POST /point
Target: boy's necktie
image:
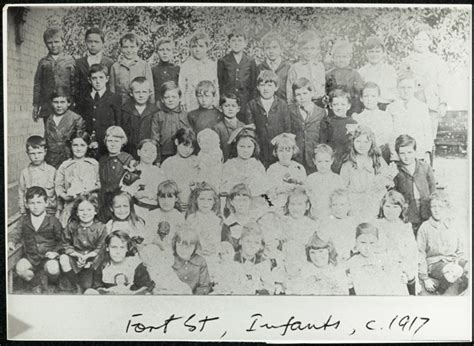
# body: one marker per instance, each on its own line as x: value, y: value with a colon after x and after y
x: 96, y: 97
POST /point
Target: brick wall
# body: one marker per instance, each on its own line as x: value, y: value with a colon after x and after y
x: 22, y: 60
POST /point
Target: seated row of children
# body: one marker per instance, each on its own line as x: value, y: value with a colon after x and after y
x: 263, y: 253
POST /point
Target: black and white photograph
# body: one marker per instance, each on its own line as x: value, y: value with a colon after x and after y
x: 185, y: 152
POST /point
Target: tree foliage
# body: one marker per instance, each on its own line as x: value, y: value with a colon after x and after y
x: 396, y: 26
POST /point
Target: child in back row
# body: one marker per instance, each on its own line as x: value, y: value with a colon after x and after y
x: 230, y: 106
x: 197, y: 67
x: 171, y: 117
x: 55, y: 71
x: 236, y: 71
x: 305, y: 119
x: 164, y: 70
x: 343, y: 76
x: 272, y: 49
x: 128, y: 67
x: 379, y: 72
x: 323, y: 183
x: 269, y: 114
x: 207, y: 115
x: 40, y: 235
x: 309, y: 66
x: 37, y: 173
x: 94, y: 39
x: 100, y: 108
x: 61, y: 125
x: 377, y: 120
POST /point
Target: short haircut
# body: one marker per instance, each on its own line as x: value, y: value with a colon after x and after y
x: 35, y: 191
x: 186, y: 235
x: 323, y: 148
x: 282, y: 139
x: 185, y: 136
x: 340, y: 92
x: 116, y: 131
x: 373, y: 42
x: 229, y: 96
x: 52, y: 32
x: 301, y: 83
x: 404, y: 141
x: 95, y: 68
x: 205, y: 85
x: 307, y: 37
x: 316, y: 243
x: 164, y: 40
x: 168, y: 188
x: 371, y: 85
x: 342, y: 46
x: 97, y: 31
x: 267, y: 76
x: 169, y: 85
x: 35, y: 142
x: 61, y: 93
x: 271, y: 37
x: 145, y: 141
x: 139, y: 80
x: 366, y: 228
x: 441, y: 196
x: 129, y: 37
x: 197, y: 36
x: 237, y: 32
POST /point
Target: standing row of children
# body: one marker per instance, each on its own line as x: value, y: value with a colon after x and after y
x: 255, y: 129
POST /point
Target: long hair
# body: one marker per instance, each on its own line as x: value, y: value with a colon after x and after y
x: 297, y: 191
x: 238, y: 190
x: 123, y: 236
x: 193, y: 197
x: 91, y: 198
x: 133, y: 218
x: 394, y: 197
x: 316, y: 243
x: 245, y: 133
x: 350, y: 154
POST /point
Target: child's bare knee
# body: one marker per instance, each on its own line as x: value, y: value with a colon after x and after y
x: 65, y: 263
x: 52, y: 267
x: 24, y: 269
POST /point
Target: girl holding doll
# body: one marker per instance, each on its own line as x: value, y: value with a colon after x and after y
x: 121, y: 272
x: 365, y: 174
x: 76, y: 176
x: 83, y: 239
x: 285, y: 174
x: 203, y: 217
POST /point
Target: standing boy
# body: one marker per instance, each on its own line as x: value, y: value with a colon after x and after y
x: 272, y: 47
x: 269, y: 114
x: 207, y: 115
x: 165, y: 70
x: 40, y: 234
x: 55, y: 71
x: 38, y: 173
x: 237, y: 72
x: 379, y: 72
x: 61, y: 125
x: 140, y: 116
x: 100, y: 108
x: 415, y: 181
x: 128, y: 67
x: 305, y: 119
x: 230, y: 105
x: 95, y: 55
x: 309, y: 66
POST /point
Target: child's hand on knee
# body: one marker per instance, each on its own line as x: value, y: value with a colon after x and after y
x: 430, y: 285
x: 51, y: 255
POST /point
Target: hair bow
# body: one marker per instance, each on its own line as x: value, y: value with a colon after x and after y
x: 249, y: 129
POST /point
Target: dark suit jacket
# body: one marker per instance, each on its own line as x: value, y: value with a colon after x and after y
x: 307, y: 134
x: 268, y: 125
x: 82, y: 82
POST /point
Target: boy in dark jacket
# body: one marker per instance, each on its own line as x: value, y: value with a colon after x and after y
x: 165, y: 70
x: 55, y: 71
x: 100, y: 108
x: 269, y: 114
x: 236, y: 71
x: 415, y: 181
x: 139, y: 116
x: 95, y: 55
x: 40, y: 234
